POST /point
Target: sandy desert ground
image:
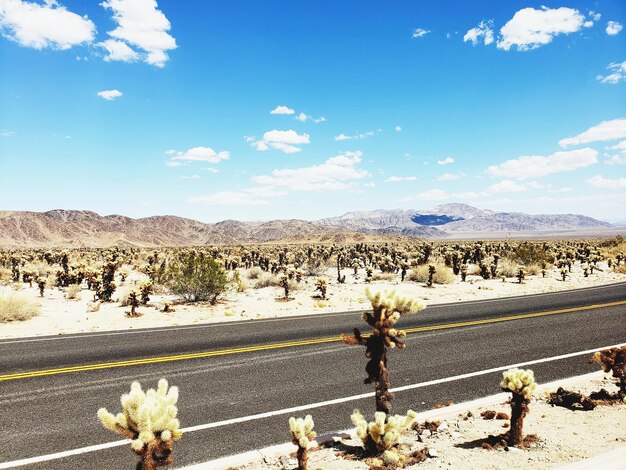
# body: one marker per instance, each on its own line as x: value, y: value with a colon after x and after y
x: 564, y: 436
x: 60, y: 316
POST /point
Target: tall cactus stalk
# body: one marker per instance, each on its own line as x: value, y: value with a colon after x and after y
x: 387, y: 309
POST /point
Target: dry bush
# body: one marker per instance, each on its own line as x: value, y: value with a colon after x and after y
x: 72, y: 292
x: 267, y: 280
x: 384, y: 277
x: 16, y: 307
x: 533, y: 269
x: 5, y: 275
x: 443, y: 274
x: 255, y: 272
x: 621, y: 269
x: 473, y: 270
x: 508, y: 268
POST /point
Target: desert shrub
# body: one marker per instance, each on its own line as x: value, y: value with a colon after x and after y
x: 240, y: 283
x: 620, y: 269
x: 533, y: 269
x: 16, y: 307
x: 530, y: 253
x: 267, y: 280
x: 473, y: 270
x: 195, y: 277
x: 442, y: 275
x: 72, y: 292
x: 383, y: 277
x: 507, y: 267
x: 255, y: 272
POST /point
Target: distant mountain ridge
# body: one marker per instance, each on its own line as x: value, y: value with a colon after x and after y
x: 79, y: 228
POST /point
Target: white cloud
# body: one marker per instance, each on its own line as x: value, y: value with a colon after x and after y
x: 618, y: 73
x: 282, y: 110
x: 483, y: 30
x: 619, y: 146
x: 397, y: 179
x: 616, y: 159
x: 613, y: 28
x: 506, y: 186
x: 285, y: 141
x: 142, y: 25
x: 6, y: 133
x: 336, y: 173
x: 109, y: 95
x: 118, y: 50
x: 606, y: 130
x: 39, y: 26
x: 530, y: 28
x: 198, y: 154
x: 189, y: 177
x: 303, y: 117
x: 565, y: 189
x: 450, y: 176
x: 446, y: 161
x: 594, y: 15
x: 211, y: 170
x: 536, y: 166
x: 601, y: 182
x: 419, y: 33
x: 173, y: 164
x: 360, y: 136
x: 228, y: 198
x: 398, y: 128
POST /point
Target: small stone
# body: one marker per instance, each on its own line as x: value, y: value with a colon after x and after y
x: 443, y: 426
x: 426, y: 433
x: 456, y: 435
x: 432, y: 453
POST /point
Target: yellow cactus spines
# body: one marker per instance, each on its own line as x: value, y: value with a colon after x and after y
x: 521, y: 383
x: 380, y: 436
x: 614, y: 360
x: 301, y: 435
x: 149, y: 420
x: 387, y: 308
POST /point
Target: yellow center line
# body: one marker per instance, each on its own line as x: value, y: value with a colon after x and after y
x: 289, y: 344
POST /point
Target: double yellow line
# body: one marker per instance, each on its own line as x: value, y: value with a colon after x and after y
x: 289, y: 344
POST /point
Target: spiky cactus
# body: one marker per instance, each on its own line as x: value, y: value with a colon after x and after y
x: 463, y: 272
x: 521, y: 274
x: 521, y: 383
x: 283, y: 282
x: 614, y: 360
x: 563, y: 274
x: 41, y: 284
x: 301, y: 435
x: 321, y: 284
x: 387, y: 308
x: 146, y: 289
x: 133, y: 301
x: 431, y: 273
x: 380, y: 437
x: 149, y: 420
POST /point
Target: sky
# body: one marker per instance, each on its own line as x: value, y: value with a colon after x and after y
x: 253, y: 110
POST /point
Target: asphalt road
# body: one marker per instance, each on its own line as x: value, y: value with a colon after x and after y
x: 52, y: 413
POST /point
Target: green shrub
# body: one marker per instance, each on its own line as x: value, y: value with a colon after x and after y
x: 196, y: 276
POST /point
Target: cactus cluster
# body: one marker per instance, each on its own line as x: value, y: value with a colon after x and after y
x: 301, y: 435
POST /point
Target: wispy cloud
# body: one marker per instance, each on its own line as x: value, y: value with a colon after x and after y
x: 336, y: 173
x: 605, y: 131
x: 196, y: 154
x: 398, y: 179
x: 446, y: 161
x: 359, y: 136
x: 285, y: 141
x: 600, y: 182
x: 537, y: 166
x: 617, y: 73
x: 109, y: 95
x: 419, y: 33
x: 282, y: 110
x: 483, y: 31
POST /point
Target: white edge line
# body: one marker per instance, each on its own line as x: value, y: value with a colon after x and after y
x: 269, y: 414
x: 271, y: 320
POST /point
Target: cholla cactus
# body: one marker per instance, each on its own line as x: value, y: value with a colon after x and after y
x: 387, y: 309
x: 283, y: 282
x: 301, y: 435
x: 321, y: 284
x: 380, y: 437
x: 521, y: 274
x: 41, y: 284
x: 431, y: 272
x: 614, y: 360
x: 133, y: 301
x: 146, y: 289
x: 522, y: 385
x: 463, y: 272
x: 149, y: 420
x: 563, y: 274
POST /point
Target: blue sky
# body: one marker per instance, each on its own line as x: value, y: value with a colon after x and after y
x: 141, y: 108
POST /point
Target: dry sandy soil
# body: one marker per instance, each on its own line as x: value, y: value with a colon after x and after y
x: 564, y: 436
x: 61, y: 316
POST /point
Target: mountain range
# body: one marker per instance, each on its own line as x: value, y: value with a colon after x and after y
x: 78, y: 228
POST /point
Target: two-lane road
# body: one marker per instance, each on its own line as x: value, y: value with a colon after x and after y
x: 238, y: 380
